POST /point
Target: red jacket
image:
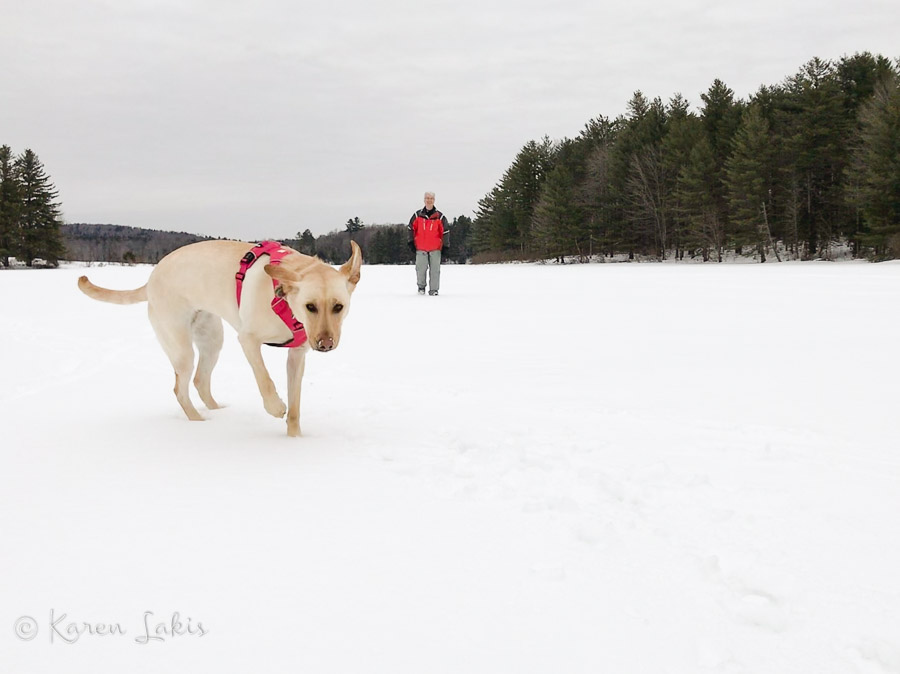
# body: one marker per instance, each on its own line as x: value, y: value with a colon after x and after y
x: 428, y: 229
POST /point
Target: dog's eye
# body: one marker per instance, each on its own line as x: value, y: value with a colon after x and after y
x: 338, y: 308
x: 311, y: 308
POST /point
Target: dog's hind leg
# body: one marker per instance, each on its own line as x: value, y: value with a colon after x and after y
x: 174, y: 334
x: 296, y: 364
x: 251, y: 346
x: 206, y: 329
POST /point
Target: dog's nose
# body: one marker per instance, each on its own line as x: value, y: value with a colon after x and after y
x: 325, y: 343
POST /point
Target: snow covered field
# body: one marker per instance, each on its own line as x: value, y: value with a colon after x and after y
x: 599, y: 468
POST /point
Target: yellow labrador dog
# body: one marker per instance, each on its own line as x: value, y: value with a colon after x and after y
x: 193, y: 288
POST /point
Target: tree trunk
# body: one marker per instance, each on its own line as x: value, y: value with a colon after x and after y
x: 769, y: 232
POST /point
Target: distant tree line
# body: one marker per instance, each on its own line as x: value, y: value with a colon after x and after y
x: 381, y: 244
x: 29, y: 210
x: 117, y: 243
x: 798, y: 166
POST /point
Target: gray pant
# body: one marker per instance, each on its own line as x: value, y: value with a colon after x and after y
x: 428, y: 260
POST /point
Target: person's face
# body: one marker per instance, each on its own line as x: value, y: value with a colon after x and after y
x: 429, y: 201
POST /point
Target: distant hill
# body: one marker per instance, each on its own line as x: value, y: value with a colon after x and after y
x: 117, y: 243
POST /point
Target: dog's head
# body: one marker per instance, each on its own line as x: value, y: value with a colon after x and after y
x: 318, y: 294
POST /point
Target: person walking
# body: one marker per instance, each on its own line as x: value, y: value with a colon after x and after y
x: 428, y: 233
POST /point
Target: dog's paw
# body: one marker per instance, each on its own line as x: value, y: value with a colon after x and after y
x: 276, y: 407
x: 293, y: 431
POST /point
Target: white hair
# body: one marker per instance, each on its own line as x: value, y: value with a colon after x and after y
x: 429, y: 194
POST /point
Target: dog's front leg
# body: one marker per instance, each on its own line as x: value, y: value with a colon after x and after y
x: 296, y: 364
x: 252, y: 350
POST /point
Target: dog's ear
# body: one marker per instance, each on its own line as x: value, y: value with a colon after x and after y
x: 279, y: 273
x: 351, y: 267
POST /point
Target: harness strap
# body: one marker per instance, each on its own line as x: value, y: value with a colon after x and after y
x: 279, y: 304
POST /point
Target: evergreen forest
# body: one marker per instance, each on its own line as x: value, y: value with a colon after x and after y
x: 798, y: 167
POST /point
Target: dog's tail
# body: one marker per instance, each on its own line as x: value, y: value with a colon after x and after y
x: 113, y: 296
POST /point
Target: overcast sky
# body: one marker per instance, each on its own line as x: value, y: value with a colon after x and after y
x: 264, y: 118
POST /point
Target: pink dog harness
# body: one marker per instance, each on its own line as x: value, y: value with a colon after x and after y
x: 279, y: 304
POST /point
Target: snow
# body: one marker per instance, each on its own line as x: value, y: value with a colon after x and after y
x: 581, y: 468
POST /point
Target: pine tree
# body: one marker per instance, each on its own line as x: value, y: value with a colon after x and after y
x: 858, y: 75
x: 460, y: 247
x: 638, y: 178
x: 482, y: 226
x: 556, y: 219
x: 816, y: 141
x: 353, y: 225
x: 503, y: 217
x: 39, y: 218
x: 876, y: 165
x: 307, y: 243
x: 773, y: 103
x: 721, y: 116
x: 521, y: 189
x: 697, y: 199
x: 748, y: 178
x: 10, y: 206
x: 597, y: 199
x: 684, y: 131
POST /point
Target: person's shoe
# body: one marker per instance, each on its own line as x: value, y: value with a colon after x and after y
x: 421, y: 291
x: 433, y: 292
